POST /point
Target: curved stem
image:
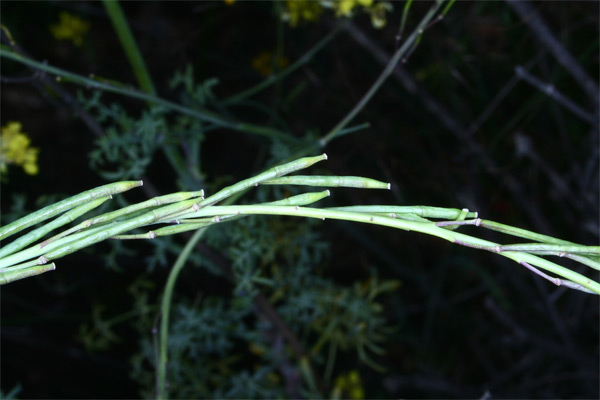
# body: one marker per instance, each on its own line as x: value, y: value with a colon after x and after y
x: 271, y: 80
x: 132, y: 51
x: 428, y: 228
x: 166, y: 309
x: 203, y: 115
x: 400, y: 53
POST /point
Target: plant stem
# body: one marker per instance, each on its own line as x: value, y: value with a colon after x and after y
x: 132, y: 51
x: 400, y: 53
x: 166, y: 309
x: 424, y: 227
x: 275, y: 78
x: 201, y: 114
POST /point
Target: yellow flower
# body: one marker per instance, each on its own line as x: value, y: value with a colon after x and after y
x: 377, y: 11
x: 14, y: 149
x: 349, y: 386
x: 310, y: 10
x: 263, y: 63
x: 298, y: 10
x: 345, y: 7
x: 229, y: 2
x: 71, y: 28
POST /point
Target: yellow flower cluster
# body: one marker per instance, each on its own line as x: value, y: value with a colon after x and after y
x: 348, y: 386
x: 378, y: 13
x: 307, y: 10
x: 345, y: 7
x: 301, y: 10
x: 71, y: 28
x: 263, y: 63
x: 14, y: 149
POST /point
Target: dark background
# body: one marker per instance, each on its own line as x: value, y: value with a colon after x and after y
x: 443, y: 132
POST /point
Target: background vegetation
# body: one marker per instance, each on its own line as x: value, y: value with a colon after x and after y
x: 487, y: 113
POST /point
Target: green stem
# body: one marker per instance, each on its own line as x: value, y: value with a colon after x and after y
x: 400, y: 53
x: 424, y: 227
x: 403, y: 20
x: 271, y: 80
x: 132, y: 51
x: 165, y: 312
x: 203, y: 115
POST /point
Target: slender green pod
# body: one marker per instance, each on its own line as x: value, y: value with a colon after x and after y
x: 421, y: 211
x: 522, y: 233
x: 154, y: 202
x: 187, y: 224
x: 184, y: 226
x: 120, y: 227
x: 329, y: 181
x: 129, y: 211
x: 582, y: 259
x: 64, y: 205
x: 25, y: 265
x: 300, y: 199
x: 43, y: 230
x: 408, y: 216
x: 551, y: 248
x: 429, y: 228
x: 72, y: 243
x: 274, y: 172
x: 43, y: 247
x: 7, y: 277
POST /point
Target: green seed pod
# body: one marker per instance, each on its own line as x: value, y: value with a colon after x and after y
x: 329, y: 181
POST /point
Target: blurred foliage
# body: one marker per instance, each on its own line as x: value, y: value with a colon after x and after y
x: 297, y: 11
x: 212, y: 337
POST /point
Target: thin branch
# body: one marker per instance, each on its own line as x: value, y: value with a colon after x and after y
x: 41, y: 76
x: 389, y: 68
x: 272, y: 79
x: 550, y: 90
x: 124, y: 90
x: 448, y: 121
x: 540, y: 29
